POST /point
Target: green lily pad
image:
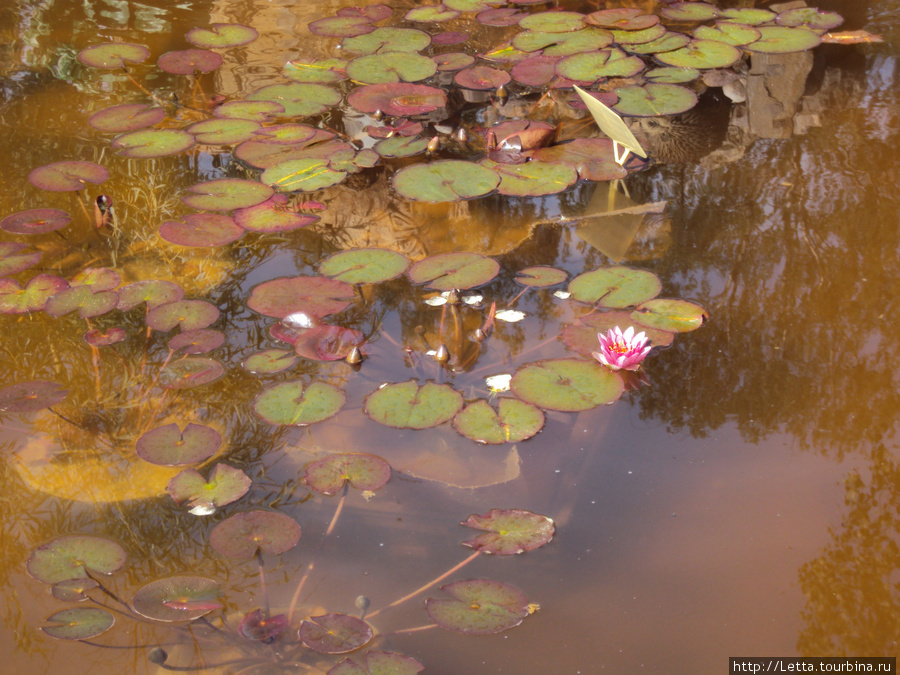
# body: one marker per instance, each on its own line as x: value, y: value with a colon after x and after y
x: 667, y: 43
x: 809, y: 17
x: 147, y: 143
x: 221, y: 35
x: 449, y: 271
x: 478, y: 607
x: 671, y: 75
x: 189, y: 61
x: 515, y: 421
x: 581, y: 335
x: 126, y: 117
x: 78, y: 623
x: 615, y: 286
x: 88, y: 302
x: 25, y: 397
x: 452, y: 61
x: 406, y: 405
x: 540, y: 276
x: 748, y: 16
x: 362, y: 471
x: 272, y: 216
x: 180, y: 598
x: 171, y: 446
x: 533, y: 179
x: 729, y: 32
x: 73, y: 590
x: 653, y: 100
x: 470, y: 5
x: 293, y: 403
x: 783, y: 40
x: 33, y: 298
x: 553, y: 22
x: 624, y: 38
x: 258, y: 111
x: 569, y: 385
x: 190, y: 372
x: 98, y: 278
x: 510, y: 531
x: 113, y: 55
x: 593, y: 158
x: 323, y: 71
x: 431, y: 14
x: 334, y: 633
x: 298, y: 99
x: 226, y: 194
x: 269, y: 361
x: 200, y: 230
x: 678, y: 316
x: 401, y: 146
x: 481, y: 78
x: 225, y: 485
x: 73, y: 556
x: 67, y: 176
x: 104, y: 338
x: 398, y: 100
x: 154, y: 292
x: 377, y: 663
x: 243, y: 534
x: 302, y: 175
x: 563, y: 44
x: 315, y: 296
x: 591, y: 66
x: 189, y: 314
x: 223, y: 131
x: 448, y: 180
x: 364, y: 265
x: 386, y: 67
x: 390, y: 39
x: 690, y: 11
x: 622, y: 18
x: 702, y: 54
x: 11, y: 260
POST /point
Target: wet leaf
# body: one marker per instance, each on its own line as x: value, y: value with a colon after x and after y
x: 78, y: 623
x: 292, y: 403
x: 221, y: 35
x: 88, y: 302
x: 678, y: 316
x: 615, y: 287
x: 306, y: 175
x: 171, y: 446
x: 223, y: 131
x: 316, y: 296
x: 73, y: 590
x: 104, y: 338
x: 225, y: 194
x: 389, y: 39
x: 24, y: 397
x: 541, y: 276
x: 179, y: 598
x: 271, y: 216
x: 478, y: 607
x: 610, y: 123
x: 626, y: 38
x: 241, y: 535
x: 292, y: 134
x: 809, y: 17
x: 154, y: 292
x: 342, y: 26
x: 269, y: 361
x: 255, y: 626
x: 653, y: 100
x: 510, y: 531
x: 449, y: 271
x: 533, y: 179
x: 481, y: 78
x: 34, y: 221
x: 323, y: 71
x: 189, y: 314
x: 553, y: 22
x: 67, y: 176
x: 12, y: 261
x: 190, y: 372
x: 334, y: 633
x: 602, y: 63
x: 399, y: 146
x: 362, y: 471
x: 622, y: 18
x: 97, y: 278
x: 126, y: 117
x: 378, y: 663
x: 581, y: 335
x: 702, y: 54
x: 153, y: 142
x: 749, y: 16
x: 515, y: 421
x: 364, y: 265
x: 406, y: 405
x: 667, y: 43
x: 671, y: 75
x: 189, y: 61
x: 201, y: 230
x: 197, y: 341
x: 569, y: 385
x: 445, y: 181
x: 111, y: 55
x: 453, y: 61
x: 258, y: 111
x: 299, y: 99
x: 728, y: 32
x: 398, y: 100
x: 563, y: 44
x: 226, y: 484
x: 505, y: 16
x: 327, y: 343
x: 783, y: 40
x: 431, y: 14
x: 391, y: 67
x: 593, y: 158
x: 73, y: 556
x: 690, y: 11
x: 33, y: 298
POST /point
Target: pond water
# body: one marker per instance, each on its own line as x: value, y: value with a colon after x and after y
x: 740, y: 498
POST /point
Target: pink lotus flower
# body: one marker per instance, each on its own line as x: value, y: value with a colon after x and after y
x: 622, y: 351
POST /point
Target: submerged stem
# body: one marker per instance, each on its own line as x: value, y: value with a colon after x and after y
x: 262, y: 584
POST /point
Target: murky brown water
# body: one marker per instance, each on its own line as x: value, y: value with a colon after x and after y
x: 744, y: 504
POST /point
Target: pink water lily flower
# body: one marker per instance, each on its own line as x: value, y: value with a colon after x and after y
x: 622, y: 351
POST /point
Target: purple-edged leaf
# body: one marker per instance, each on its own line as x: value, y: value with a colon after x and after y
x: 341, y: 26
x: 201, y: 230
x: 25, y: 397
x: 553, y: 22
x: 88, y: 302
x: 225, y: 485
x: 33, y: 298
x: 622, y: 18
x: 478, y: 607
x: 533, y: 179
x: 690, y: 11
x: 73, y: 590
x: 373, y: 13
x: 221, y: 35
x: 506, y: 16
x: 387, y: 39
x: 73, y: 556
x: 170, y: 446
x: 97, y: 278
x: 514, y: 421
x: 406, y: 405
x: 34, y: 221
x: 78, y: 623
x: 154, y: 292
x: 431, y: 14
x: 569, y: 385
x: 189, y: 61
x: 291, y: 134
x: 563, y: 44
x: 581, y: 335
x: 809, y: 17
x: 362, y: 471
x: 397, y: 100
x: 509, y: 532
x: 292, y: 403
x: 199, y: 341
x: 12, y: 261
x: 272, y: 215
x: 364, y: 265
x: 243, y: 534
x: 255, y: 626
x: 399, y: 146
x: 67, y: 176
x: 147, y: 143
x: 126, y: 117
x: 223, y: 131
x: 447, y: 180
x: 258, y: 111
x: 535, y: 71
x: 327, y: 343
x: 377, y: 663
x: 315, y: 296
x: 323, y: 71
x: 334, y: 633
x: 181, y: 598
x: 449, y: 271
x: 678, y: 316
x: 615, y: 287
x: 189, y: 314
x: 111, y: 55
x: 299, y: 99
x: 269, y: 361
x: 190, y: 372
x: 541, y: 276
x: 104, y: 338
x: 226, y: 194
x: 391, y: 67
x: 593, y: 158
x: 306, y: 175
x: 481, y: 78
x: 453, y: 61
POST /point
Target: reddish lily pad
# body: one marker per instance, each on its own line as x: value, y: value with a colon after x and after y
x: 481, y: 78
x: 73, y: 556
x: 113, y: 55
x: 104, y: 338
x: 364, y: 265
x: 190, y: 372
x: 690, y: 11
x: 593, y: 158
x: 448, y: 271
x: 563, y: 44
x: 453, y: 61
x: 201, y: 230
x: 171, y: 446
x: 88, y: 302
x: 702, y: 54
x: 225, y: 194
x: 189, y: 61
x: 199, y: 341
x: 323, y: 71
x: 334, y: 633
x: 341, y: 26
x: 272, y: 216
x: 302, y: 175
x: 678, y: 316
x: 180, y: 598
x: 126, y: 117
x: 269, y: 361
x: 515, y: 421
x: 12, y: 261
x: 581, y: 335
x: 653, y: 100
x: 602, y: 63
x: 25, y: 397
x: 189, y: 314
x: 373, y: 13
x: 378, y: 663
x: 541, y: 276
x: 448, y: 180
x: 362, y: 471
x: 315, y: 296
x: 391, y: 67
x: 225, y: 485
x: 622, y: 18
x: 223, y: 131
x: 569, y: 385
x: 783, y: 40
x: 478, y: 607
x: 258, y: 625
x: 98, y: 278
x: 431, y: 14
x: 73, y: 590
x: 33, y: 298
x: 78, y: 623
x: 67, y: 176
x: 327, y: 343
x: 811, y: 18
x: 398, y: 100
x: 533, y: 179
x: 258, y: 111
x: 293, y: 403
x: 504, y: 16
x: 147, y: 143
x: 299, y: 99
x: 615, y: 286
x: 243, y: 534
x: 388, y: 39
x: 221, y: 35
x: 154, y: 292
x: 510, y: 531
x: 406, y: 405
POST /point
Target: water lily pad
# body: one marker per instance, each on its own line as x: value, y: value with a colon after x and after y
x: 341, y: 26
x: 581, y: 335
x: 104, y: 338
x: 378, y: 663
x: 431, y: 14
x: 448, y: 271
x: 189, y: 61
x: 533, y: 179
x: 334, y: 633
x: 243, y: 534
x: 504, y: 16
x: 373, y: 13
x: 593, y: 158
x: 126, y: 117
x: 701, y: 54
x: 510, y: 531
x: 67, y: 176
x: 397, y: 100
x: 809, y: 17
x: 391, y: 67
x: 73, y: 556
x: 327, y: 343
x: 189, y: 314
x: 73, y: 590
x: 541, y: 276
x: 729, y: 32
x: 258, y: 625
x: 667, y: 43
x: 470, y: 5
x: 479, y: 607
x: 180, y: 598
x: 258, y: 111
x: 364, y: 265
x: 400, y: 146
x: 12, y: 261
x: 223, y: 131
x: 678, y: 316
x: 653, y: 100
x: 225, y: 485
x: 171, y: 446
x: 221, y: 35
x: 748, y: 16
x: 563, y: 44
x: 113, y: 55
x: 515, y: 421
x: 591, y: 66
x: 570, y: 385
x: 362, y: 471
x: 225, y: 194
x: 78, y: 623
x: 323, y: 71
x: 453, y: 61
x: 783, y: 40
x: 622, y: 18
x: 671, y: 75
x: 190, y: 372
x: 535, y: 71
x: 390, y: 39
x: 624, y: 38
x: 154, y: 292
x: 98, y: 278
x: 615, y: 286
x: 553, y: 22
x: 153, y: 142
x: 306, y: 175
x: 690, y: 11
x: 201, y: 230
x: 293, y: 403
x: 406, y: 405
x: 82, y: 298
x: 449, y: 38
x: 448, y: 180
x: 481, y: 78
x: 315, y: 296
x: 272, y: 216
x: 32, y: 396
x: 269, y: 361
x: 33, y: 298
x: 298, y: 99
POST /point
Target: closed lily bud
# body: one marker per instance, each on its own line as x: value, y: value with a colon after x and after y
x: 354, y: 357
x: 501, y: 93
x: 478, y: 335
x: 433, y: 145
x: 442, y: 355
x: 461, y: 135
x: 378, y: 115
